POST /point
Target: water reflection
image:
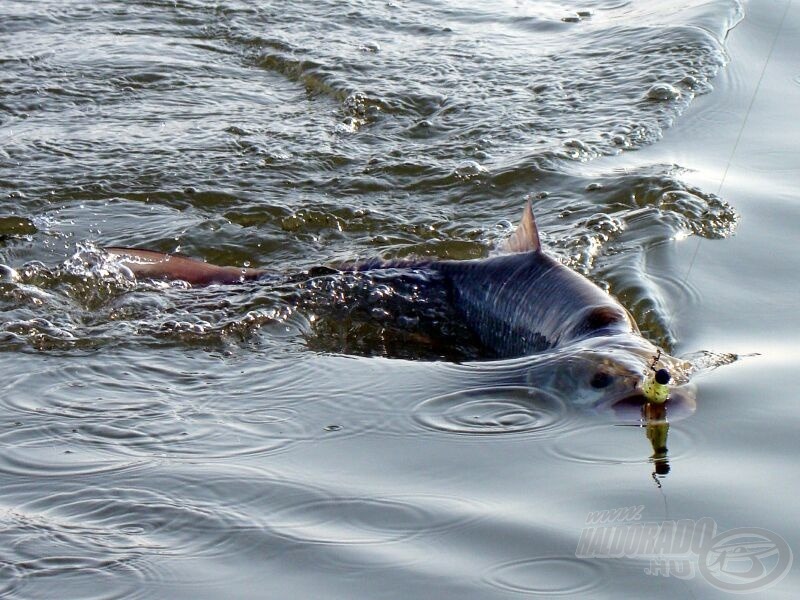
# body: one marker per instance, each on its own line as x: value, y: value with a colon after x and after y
x: 657, y: 428
x: 137, y: 419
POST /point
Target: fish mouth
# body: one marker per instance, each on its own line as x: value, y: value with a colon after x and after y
x: 636, y: 407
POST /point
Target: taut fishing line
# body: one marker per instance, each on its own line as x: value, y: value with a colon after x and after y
x: 738, y: 139
x: 724, y: 177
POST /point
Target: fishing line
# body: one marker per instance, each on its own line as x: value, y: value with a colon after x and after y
x: 722, y: 183
x: 738, y: 139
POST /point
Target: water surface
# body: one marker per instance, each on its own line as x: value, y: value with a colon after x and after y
x: 288, y: 440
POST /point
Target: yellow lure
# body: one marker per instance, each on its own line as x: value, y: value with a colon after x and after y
x: 656, y: 389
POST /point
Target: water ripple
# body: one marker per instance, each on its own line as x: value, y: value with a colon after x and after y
x: 548, y: 576
x: 342, y: 520
x: 48, y: 457
x: 611, y: 444
x: 40, y: 547
x: 150, y: 521
x: 494, y: 411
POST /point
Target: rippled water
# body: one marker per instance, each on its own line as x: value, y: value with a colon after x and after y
x: 316, y: 434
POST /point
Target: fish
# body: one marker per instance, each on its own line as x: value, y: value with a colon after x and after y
x: 550, y: 326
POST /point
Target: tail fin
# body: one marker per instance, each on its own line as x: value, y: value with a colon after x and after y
x: 526, y: 237
x: 156, y: 265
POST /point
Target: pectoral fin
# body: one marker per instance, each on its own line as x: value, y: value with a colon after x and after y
x: 147, y: 264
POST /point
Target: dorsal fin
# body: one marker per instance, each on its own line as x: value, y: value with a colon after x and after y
x: 526, y: 237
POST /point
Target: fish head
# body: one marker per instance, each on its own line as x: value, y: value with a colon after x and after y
x: 611, y: 374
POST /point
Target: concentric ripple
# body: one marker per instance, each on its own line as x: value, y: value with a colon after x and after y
x: 40, y: 549
x: 208, y: 435
x: 368, y: 521
x: 612, y: 444
x: 494, y: 411
x: 84, y: 447
x: 43, y: 452
x: 147, y: 522
x: 547, y: 576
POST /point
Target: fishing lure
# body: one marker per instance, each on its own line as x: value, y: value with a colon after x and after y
x: 656, y: 386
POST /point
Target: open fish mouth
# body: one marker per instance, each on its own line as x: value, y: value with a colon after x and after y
x: 635, y: 408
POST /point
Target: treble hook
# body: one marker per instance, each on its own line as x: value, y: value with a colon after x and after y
x: 656, y: 358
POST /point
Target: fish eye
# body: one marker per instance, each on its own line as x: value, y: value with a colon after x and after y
x: 601, y: 379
